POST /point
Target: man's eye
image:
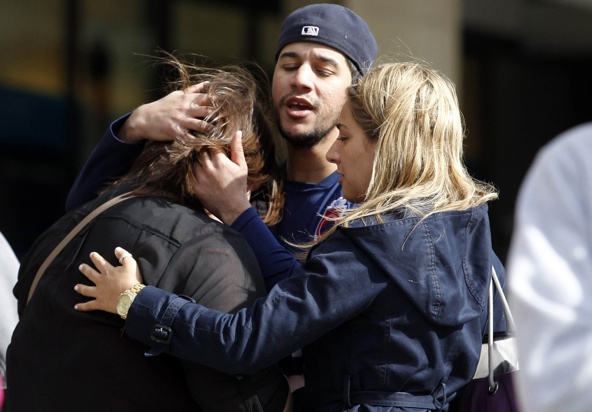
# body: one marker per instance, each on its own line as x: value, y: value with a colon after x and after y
x: 324, y: 73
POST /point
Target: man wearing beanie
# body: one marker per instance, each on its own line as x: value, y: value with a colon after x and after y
x: 321, y: 50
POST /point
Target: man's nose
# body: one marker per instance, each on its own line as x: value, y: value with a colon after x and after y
x: 303, y: 77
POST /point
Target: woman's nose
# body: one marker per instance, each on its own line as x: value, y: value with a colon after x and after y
x: 332, y: 154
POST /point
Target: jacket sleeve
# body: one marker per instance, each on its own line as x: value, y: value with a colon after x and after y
x: 275, y: 261
x: 110, y: 159
x: 296, y: 312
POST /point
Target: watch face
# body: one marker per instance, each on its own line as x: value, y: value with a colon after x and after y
x: 123, y: 304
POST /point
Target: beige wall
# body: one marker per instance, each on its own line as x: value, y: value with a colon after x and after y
x: 427, y: 30
x: 33, y: 34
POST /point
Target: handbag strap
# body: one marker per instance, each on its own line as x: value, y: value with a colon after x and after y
x: 509, y: 320
x: 70, y: 236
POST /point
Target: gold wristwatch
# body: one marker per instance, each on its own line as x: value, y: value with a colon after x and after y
x: 126, y: 298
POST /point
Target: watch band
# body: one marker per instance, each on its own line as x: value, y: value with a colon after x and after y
x: 136, y: 289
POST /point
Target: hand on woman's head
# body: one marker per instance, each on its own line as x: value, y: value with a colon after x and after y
x: 172, y: 117
x: 221, y: 183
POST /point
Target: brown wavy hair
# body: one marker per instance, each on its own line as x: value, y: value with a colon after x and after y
x: 239, y: 101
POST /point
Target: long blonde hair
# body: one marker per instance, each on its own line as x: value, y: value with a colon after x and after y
x: 412, y: 113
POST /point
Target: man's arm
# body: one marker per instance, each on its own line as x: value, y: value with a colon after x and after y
x: 171, y: 117
x: 221, y: 186
x: 110, y: 159
x: 275, y: 261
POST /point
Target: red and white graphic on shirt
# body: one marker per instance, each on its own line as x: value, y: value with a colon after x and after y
x: 334, y: 210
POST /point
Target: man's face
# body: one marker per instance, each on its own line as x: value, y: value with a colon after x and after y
x: 309, y: 84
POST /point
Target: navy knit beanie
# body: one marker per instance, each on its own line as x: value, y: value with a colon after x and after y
x: 334, y: 26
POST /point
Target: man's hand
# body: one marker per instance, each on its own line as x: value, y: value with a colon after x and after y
x: 169, y: 118
x: 221, y: 183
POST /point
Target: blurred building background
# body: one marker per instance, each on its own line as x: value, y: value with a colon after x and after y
x: 69, y: 67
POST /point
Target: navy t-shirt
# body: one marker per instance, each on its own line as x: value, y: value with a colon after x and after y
x: 306, y: 205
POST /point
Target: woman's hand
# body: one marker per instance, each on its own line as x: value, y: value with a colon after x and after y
x: 110, y: 281
x: 172, y: 117
x: 221, y: 183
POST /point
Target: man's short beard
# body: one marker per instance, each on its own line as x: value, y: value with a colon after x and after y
x: 305, y: 141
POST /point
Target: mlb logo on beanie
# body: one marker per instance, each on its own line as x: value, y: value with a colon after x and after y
x: 310, y: 31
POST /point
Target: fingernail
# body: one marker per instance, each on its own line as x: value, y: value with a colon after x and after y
x: 81, y: 266
x: 76, y: 288
x: 75, y: 307
x: 118, y: 249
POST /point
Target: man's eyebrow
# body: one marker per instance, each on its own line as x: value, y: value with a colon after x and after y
x: 288, y: 55
x: 326, y: 59
x: 320, y: 57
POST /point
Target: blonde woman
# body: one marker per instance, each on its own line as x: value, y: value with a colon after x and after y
x: 389, y: 305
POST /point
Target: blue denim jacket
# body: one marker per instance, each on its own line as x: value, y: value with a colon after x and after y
x: 389, y: 315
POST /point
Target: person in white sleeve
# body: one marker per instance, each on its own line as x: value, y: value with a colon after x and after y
x: 550, y: 276
x: 9, y: 266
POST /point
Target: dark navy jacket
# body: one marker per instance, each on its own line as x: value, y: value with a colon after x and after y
x: 389, y: 315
